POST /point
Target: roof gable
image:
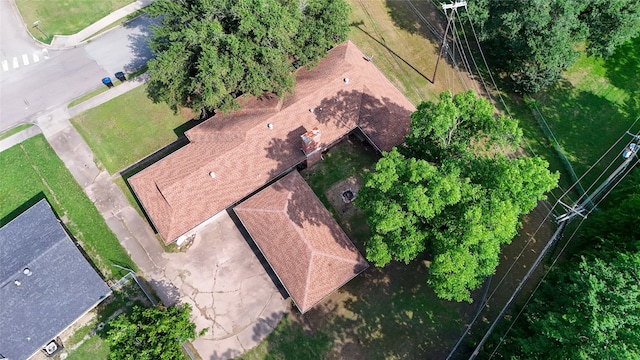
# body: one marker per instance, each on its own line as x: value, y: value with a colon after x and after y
x: 304, y: 245
x: 60, y: 288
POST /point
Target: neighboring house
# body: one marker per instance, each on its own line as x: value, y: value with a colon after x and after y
x: 231, y: 156
x: 46, y: 284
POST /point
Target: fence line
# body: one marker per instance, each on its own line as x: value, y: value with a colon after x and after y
x: 131, y: 275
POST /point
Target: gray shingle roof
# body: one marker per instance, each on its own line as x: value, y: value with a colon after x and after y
x: 61, y: 288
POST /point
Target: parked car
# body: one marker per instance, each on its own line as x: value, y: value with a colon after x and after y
x: 629, y: 150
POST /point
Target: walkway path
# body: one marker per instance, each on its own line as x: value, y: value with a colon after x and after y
x: 240, y: 307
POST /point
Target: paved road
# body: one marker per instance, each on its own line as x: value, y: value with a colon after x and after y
x: 67, y: 74
x: 15, y: 43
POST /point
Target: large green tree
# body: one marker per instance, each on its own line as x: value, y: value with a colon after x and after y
x: 587, y: 310
x: 207, y: 52
x: 534, y: 41
x: 450, y: 190
x: 589, y: 305
x: 154, y: 333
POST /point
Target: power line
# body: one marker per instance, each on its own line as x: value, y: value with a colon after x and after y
x: 536, y: 288
x: 475, y: 64
x: 575, y: 210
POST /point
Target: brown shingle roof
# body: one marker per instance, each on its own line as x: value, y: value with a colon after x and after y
x: 304, y: 245
x: 178, y: 192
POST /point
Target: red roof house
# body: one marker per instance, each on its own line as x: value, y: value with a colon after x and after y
x: 304, y: 245
x: 233, y: 155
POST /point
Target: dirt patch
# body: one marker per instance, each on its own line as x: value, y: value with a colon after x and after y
x: 344, y: 209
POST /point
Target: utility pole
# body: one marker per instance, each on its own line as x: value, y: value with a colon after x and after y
x: 582, y: 209
x: 445, y: 7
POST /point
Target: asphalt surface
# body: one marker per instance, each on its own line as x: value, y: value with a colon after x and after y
x: 14, y: 39
x: 29, y: 91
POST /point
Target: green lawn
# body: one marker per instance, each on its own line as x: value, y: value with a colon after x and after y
x: 64, y: 17
x: 31, y: 171
x: 394, y: 37
x: 14, y: 130
x: 128, y: 128
x: 348, y: 158
x: 94, y: 348
x: 593, y: 105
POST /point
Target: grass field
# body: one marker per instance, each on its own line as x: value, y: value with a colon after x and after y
x: 394, y: 37
x: 593, y: 106
x: 128, y: 128
x: 57, y: 17
x: 31, y: 171
x: 14, y: 130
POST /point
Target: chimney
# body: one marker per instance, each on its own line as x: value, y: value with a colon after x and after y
x: 311, y: 146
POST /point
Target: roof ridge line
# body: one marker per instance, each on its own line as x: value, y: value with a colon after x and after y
x: 42, y: 254
x: 322, y: 253
x: 308, y: 280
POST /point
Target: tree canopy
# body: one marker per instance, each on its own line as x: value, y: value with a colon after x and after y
x: 534, y: 41
x: 207, y: 52
x: 450, y: 192
x: 150, y: 333
x: 589, y: 306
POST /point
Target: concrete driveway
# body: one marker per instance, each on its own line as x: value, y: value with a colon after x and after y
x: 229, y: 289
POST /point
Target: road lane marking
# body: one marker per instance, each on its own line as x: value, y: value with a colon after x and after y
x: 15, y: 63
x: 35, y: 58
x: 25, y: 59
x: 5, y: 65
x: 45, y: 54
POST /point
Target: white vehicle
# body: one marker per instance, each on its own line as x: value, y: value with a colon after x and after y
x: 629, y: 150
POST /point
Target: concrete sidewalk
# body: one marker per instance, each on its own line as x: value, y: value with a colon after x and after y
x: 17, y: 138
x: 70, y: 41
x: 229, y: 289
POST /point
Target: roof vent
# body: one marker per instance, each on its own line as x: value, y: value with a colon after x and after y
x: 270, y: 125
x: 212, y: 174
x: 346, y: 80
x: 27, y: 272
x: 17, y: 282
x: 311, y: 111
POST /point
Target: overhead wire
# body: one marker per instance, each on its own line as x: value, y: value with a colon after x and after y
x: 597, y: 161
x: 463, y: 56
x: 473, y: 59
x: 536, y: 288
x: 626, y: 172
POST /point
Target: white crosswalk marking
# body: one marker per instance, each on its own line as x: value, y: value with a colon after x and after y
x: 25, y: 59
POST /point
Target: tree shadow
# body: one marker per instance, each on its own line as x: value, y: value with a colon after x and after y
x: 388, y: 313
x: 265, y: 326
x: 585, y: 125
x: 421, y: 18
x: 623, y: 71
x: 358, y: 26
x: 168, y: 293
x: 139, y: 41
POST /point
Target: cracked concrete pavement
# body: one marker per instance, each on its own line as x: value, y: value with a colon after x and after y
x: 219, y: 275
